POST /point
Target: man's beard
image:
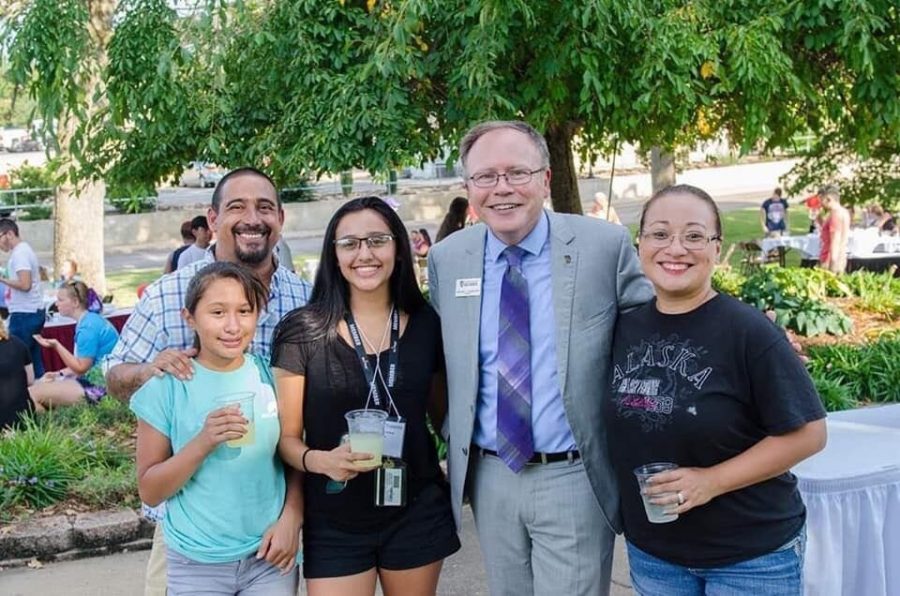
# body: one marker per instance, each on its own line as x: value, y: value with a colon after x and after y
x: 252, y: 257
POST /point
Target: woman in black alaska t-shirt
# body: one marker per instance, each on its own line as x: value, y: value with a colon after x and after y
x: 16, y: 374
x: 708, y: 383
x: 365, y: 270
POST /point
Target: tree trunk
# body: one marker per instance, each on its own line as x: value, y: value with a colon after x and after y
x: 564, y: 182
x: 78, y: 224
x: 662, y: 168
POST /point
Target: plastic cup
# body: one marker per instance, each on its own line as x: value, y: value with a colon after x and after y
x: 656, y: 514
x: 243, y: 400
x: 366, y: 430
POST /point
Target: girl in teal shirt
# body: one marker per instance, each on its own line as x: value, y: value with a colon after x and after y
x: 229, y: 526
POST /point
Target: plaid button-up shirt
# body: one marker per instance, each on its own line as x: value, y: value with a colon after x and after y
x: 156, y: 323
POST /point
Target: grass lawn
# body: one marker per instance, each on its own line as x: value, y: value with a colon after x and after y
x: 742, y: 225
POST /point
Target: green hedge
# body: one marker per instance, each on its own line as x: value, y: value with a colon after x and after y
x: 848, y: 375
x: 81, y: 452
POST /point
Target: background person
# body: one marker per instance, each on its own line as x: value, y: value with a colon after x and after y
x: 226, y: 528
x: 365, y: 276
x: 68, y: 272
x: 455, y: 219
x: 202, y: 237
x: 16, y: 374
x: 774, y: 216
x: 835, y: 232
x: 25, y: 300
x: 813, y: 205
x: 883, y: 220
x: 95, y: 337
x: 709, y: 383
x: 187, y: 238
x: 421, y: 242
x: 601, y: 209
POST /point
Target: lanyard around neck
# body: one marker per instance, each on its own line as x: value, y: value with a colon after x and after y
x: 371, y: 373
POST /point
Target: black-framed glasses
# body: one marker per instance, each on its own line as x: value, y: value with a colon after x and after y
x: 353, y: 243
x: 516, y: 177
x: 689, y: 240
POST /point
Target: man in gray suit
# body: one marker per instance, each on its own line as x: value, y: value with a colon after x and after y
x: 528, y: 303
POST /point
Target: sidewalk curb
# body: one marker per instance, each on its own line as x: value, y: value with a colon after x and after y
x: 68, y: 537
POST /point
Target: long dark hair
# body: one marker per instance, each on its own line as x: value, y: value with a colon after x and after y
x: 455, y: 219
x: 330, y: 300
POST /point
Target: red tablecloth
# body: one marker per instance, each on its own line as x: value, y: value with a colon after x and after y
x: 65, y: 333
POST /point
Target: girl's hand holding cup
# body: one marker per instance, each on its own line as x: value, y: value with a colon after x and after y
x: 221, y: 425
x: 339, y: 464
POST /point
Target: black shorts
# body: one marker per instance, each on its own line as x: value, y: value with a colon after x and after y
x: 422, y: 534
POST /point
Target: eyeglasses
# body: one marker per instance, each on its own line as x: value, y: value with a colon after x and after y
x: 513, y: 178
x: 689, y: 240
x: 353, y: 243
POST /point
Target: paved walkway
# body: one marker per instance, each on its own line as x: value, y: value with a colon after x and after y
x: 123, y: 574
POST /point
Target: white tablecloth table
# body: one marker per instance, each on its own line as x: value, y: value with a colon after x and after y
x: 808, y: 244
x: 862, y: 244
x: 852, y: 494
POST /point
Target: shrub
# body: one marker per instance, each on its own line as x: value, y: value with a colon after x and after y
x: 81, y: 451
x: 869, y: 373
x: 728, y: 281
x: 835, y: 397
x: 878, y: 293
x: 439, y: 443
x: 796, y: 296
x: 39, y: 461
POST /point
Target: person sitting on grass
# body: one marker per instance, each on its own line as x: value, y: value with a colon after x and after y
x: 16, y: 374
x: 208, y: 445
x: 81, y: 379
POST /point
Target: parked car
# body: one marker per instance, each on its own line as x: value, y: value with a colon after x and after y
x: 201, y: 174
x: 25, y: 145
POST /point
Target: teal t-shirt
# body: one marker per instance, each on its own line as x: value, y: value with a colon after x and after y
x: 221, y: 513
x: 95, y: 337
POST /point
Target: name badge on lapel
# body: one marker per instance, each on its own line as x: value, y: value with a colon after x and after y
x: 468, y: 287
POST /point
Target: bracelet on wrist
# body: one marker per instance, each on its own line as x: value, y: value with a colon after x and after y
x: 303, y: 459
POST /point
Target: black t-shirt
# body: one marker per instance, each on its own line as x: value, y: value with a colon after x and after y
x: 697, y: 389
x: 775, y: 208
x: 14, y: 400
x: 335, y: 384
x: 177, y: 253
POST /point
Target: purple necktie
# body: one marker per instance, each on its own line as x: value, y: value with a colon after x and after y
x: 515, y: 444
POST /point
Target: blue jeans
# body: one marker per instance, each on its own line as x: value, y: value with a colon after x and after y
x: 777, y: 573
x: 23, y: 325
x: 247, y: 577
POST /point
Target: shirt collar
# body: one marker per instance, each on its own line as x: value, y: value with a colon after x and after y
x: 533, y: 243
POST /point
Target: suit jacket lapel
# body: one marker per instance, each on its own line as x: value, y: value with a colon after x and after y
x: 564, y: 257
x: 472, y: 268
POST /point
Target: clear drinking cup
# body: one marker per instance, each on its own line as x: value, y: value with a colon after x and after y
x: 243, y: 400
x: 657, y: 514
x: 366, y: 430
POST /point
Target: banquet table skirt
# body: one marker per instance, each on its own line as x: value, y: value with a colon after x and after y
x: 853, y: 542
x: 65, y: 334
x: 852, y: 495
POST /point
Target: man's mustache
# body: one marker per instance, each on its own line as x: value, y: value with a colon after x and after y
x: 261, y: 229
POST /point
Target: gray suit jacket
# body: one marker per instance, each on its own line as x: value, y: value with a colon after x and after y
x: 596, y: 274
